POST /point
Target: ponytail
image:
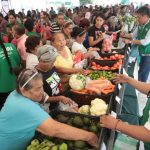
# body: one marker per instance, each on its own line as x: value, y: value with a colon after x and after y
x: 6, y: 54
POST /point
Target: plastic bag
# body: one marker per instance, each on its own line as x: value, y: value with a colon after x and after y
x: 77, y: 57
x: 107, y: 44
x: 67, y: 107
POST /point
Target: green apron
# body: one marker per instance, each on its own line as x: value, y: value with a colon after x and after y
x: 144, y: 119
x: 130, y: 102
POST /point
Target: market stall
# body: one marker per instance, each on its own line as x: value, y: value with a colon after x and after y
x: 102, y: 72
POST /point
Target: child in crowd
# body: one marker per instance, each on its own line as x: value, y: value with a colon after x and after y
x: 79, y: 35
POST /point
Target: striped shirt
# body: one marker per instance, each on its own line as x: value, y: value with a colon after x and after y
x: 55, y: 27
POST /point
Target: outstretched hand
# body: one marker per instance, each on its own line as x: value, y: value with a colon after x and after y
x: 121, y: 78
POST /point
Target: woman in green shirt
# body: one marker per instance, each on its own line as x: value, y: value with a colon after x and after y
x: 9, y: 59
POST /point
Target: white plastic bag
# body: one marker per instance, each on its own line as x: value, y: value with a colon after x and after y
x: 67, y: 107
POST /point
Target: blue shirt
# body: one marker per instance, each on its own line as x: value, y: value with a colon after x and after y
x: 19, y: 119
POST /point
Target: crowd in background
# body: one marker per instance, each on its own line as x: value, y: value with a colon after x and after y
x: 82, y: 28
x: 56, y: 46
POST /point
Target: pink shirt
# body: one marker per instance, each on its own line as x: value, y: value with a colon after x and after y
x: 21, y: 46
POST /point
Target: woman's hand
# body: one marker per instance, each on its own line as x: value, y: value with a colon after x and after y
x: 121, y: 78
x: 108, y: 121
x: 126, y: 41
x: 101, y: 37
x: 86, y: 72
x: 65, y: 100
x: 93, y: 139
x: 122, y: 34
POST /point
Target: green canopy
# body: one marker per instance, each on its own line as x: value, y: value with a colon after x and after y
x: 124, y: 2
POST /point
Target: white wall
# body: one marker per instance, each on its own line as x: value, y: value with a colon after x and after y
x: 40, y: 4
x: 28, y: 4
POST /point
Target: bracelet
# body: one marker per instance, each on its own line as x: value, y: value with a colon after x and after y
x: 117, y: 124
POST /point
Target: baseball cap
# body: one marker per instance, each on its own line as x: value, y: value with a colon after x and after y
x: 47, y: 53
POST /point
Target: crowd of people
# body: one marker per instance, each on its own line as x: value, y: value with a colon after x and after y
x: 40, y: 50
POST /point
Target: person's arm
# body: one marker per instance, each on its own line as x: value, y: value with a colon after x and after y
x: 62, y: 99
x: 110, y: 122
x: 53, y: 128
x: 130, y: 35
x: 126, y: 35
x: 92, y: 42
x: 64, y: 80
x: 68, y: 70
x: 143, y: 134
x: 140, y: 86
x: 144, y: 41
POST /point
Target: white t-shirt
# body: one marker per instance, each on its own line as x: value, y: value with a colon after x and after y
x: 78, y: 46
x: 75, y: 47
x: 31, y: 61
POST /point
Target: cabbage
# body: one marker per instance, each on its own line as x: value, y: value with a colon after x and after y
x: 98, y: 107
x: 77, y: 81
x: 97, y: 101
x: 97, y: 110
x: 85, y: 109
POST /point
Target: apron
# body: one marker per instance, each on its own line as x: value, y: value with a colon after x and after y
x: 144, y: 119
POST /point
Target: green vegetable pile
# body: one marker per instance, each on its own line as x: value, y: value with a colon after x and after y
x: 46, y: 145
x: 98, y: 74
x: 82, y: 122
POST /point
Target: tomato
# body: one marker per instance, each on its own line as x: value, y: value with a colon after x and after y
x: 112, y: 68
x: 98, y: 66
x: 112, y: 57
x: 122, y: 56
x: 107, y: 67
x: 105, y: 58
x: 94, y: 67
x: 93, y: 64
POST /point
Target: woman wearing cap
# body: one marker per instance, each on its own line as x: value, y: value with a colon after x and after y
x: 21, y: 116
x: 51, y: 81
x: 79, y: 35
x: 96, y: 32
x: 67, y: 30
